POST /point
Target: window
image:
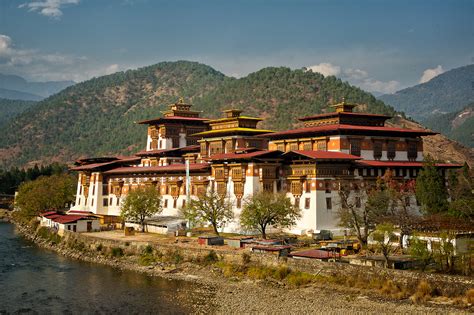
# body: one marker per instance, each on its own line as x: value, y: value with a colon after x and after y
x: 268, y: 187
x: 80, y: 190
x: 327, y: 185
x: 93, y: 189
x: 293, y: 146
x: 118, y: 201
x: 221, y: 188
x: 239, y: 203
x: 74, y: 228
x: 175, y: 142
x: 203, y: 148
x: 105, y: 202
x: 297, y: 202
x: 391, y: 150
x: 281, y: 147
x: 92, y: 202
x: 377, y: 150
x: 321, y: 145
x: 175, y: 203
x: 308, y: 186
x: 412, y: 150
x: 355, y: 147
x: 166, y: 203
x: 69, y: 228
x: 307, y: 146
x: 183, y: 204
x: 407, y: 201
x: 328, y: 203
x: 79, y: 201
x: 307, y: 203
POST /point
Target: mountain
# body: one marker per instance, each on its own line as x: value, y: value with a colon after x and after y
x: 12, y: 108
x: 456, y: 125
x: 449, y: 92
x: 16, y: 87
x: 17, y: 95
x: 96, y: 117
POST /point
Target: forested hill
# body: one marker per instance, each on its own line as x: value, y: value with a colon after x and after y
x: 12, y: 108
x: 446, y: 93
x: 97, y: 117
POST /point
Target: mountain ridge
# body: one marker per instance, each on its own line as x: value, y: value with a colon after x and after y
x: 96, y: 117
x: 40, y: 90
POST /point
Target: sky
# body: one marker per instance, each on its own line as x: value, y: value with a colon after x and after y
x: 380, y: 46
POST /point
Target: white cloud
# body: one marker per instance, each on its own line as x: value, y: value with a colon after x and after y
x: 36, y: 65
x: 429, y: 74
x: 49, y: 8
x: 325, y: 69
x: 357, y: 77
x: 112, y: 69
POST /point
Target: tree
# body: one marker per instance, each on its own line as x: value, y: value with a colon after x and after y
x: 353, y: 214
x: 268, y: 209
x: 430, y: 189
x: 384, y: 236
x: 140, y: 204
x: 45, y: 193
x: 210, y: 207
x: 418, y: 249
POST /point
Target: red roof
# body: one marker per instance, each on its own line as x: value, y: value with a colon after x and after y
x: 401, y: 164
x: 157, y: 169
x: 92, y: 166
x: 313, y: 253
x: 342, y: 114
x: 343, y: 128
x: 63, y: 219
x: 324, y: 155
x: 48, y: 213
x: 189, y: 148
x: 171, y: 118
x: 233, y: 156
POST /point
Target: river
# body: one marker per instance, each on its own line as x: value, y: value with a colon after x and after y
x: 37, y: 281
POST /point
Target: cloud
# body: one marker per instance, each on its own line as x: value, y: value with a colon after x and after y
x: 357, y: 77
x: 49, y: 8
x: 429, y: 74
x: 36, y: 65
x: 325, y: 69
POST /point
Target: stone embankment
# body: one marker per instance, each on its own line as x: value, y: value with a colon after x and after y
x: 234, y: 294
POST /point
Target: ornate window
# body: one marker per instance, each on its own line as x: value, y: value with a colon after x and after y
x: 321, y: 145
x: 238, y: 188
x: 355, y: 147
x: 308, y: 146
x: 412, y: 150
x: 281, y: 147
x: 377, y: 150
x: 293, y: 146
x: 307, y: 203
x: 391, y: 150
x: 268, y: 186
x: 221, y: 188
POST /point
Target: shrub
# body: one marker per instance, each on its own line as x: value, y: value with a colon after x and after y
x: 246, y: 258
x: 211, y: 257
x: 260, y: 272
x: 174, y: 256
x: 389, y: 288
x: 147, y: 250
x: 99, y: 247
x: 281, y: 272
x: 423, y: 292
x: 298, y: 278
x: 146, y: 259
x: 116, y: 252
x: 470, y: 296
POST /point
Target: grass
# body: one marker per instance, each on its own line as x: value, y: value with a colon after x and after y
x: 116, y: 252
x: 423, y: 292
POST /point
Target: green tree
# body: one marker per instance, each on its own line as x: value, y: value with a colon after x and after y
x: 211, y: 208
x: 268, y: 209
x: 140, y: 204
x: 384, y: 236
x: 430, y: 189
x: 45, y: 193
x: 418, y: 249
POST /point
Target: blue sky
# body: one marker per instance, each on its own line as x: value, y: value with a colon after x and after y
x: 381, y: 46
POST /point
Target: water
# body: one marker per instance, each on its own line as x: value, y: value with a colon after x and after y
x: 37, y: 281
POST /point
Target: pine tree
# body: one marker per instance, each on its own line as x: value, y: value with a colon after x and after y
x: 430, y: 189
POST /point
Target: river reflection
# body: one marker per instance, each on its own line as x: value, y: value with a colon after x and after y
x: 33, y: 281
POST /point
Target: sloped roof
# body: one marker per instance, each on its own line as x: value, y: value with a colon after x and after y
x: 250, y: 155
x: 323, y: 155
x: 158, y: 169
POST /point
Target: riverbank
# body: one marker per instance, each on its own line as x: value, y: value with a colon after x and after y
x: 232, y: 284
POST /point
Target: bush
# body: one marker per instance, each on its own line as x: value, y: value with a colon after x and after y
x: 281, y: 272
x: 470, y: 296
x: 148, y: 250
x: 117, y: 252
x: 298, y: 278
x: 99, y: 247
x: 423, y: 292
x: 48, y: 235
x: 211, y: 257
x: 146, y: 259
x: 260, y: 272
x: 246, y: 258
x: 174, y: 256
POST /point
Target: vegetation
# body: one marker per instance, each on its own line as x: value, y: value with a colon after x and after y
x: 104, y: 109
x: 140, y: 204
x: 430, y: 189
x: 266, y: 209
x: 46, y: 193
x: 384, y: 236
x: 11, y: 108
x: 448, y: 92
x: 419, y: 250
x: 461, y: 191
x: 209, y: 208
x: 11, y: 179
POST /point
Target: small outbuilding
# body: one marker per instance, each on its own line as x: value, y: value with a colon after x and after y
x: 278, y: 250
x: 323, y: 255
x: 211, y: 240
x: 70, y: 222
